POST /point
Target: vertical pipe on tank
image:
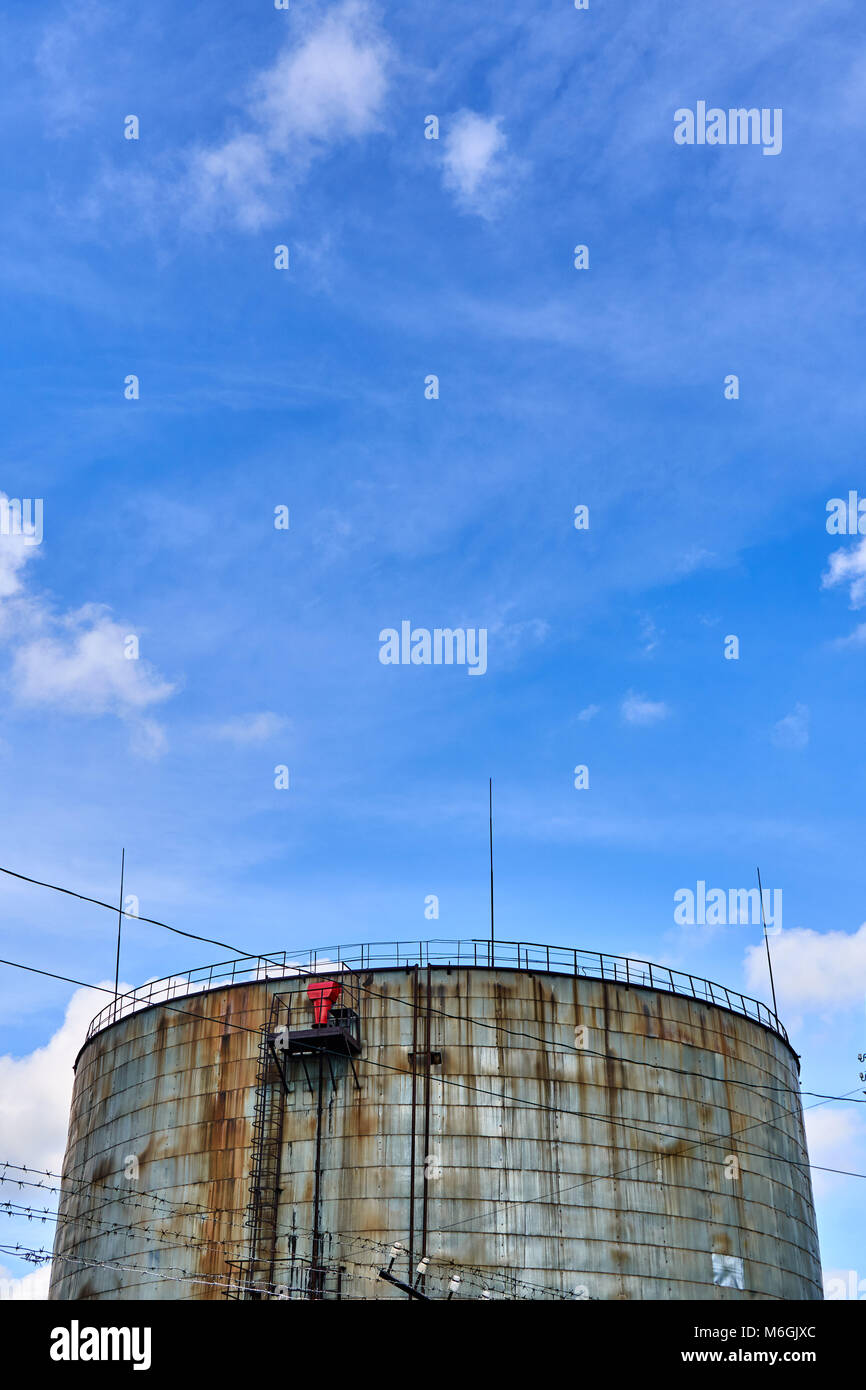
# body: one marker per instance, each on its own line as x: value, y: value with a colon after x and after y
x: 427, y: 1044
x: 315, y: 1272
x: 414, y: 1111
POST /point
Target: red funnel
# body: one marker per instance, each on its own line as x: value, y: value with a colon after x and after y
x: 324, y: 994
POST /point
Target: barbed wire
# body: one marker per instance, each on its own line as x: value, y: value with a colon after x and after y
x: 199, y: 1208
x: 231, y: 1283
x: 342, y: 1239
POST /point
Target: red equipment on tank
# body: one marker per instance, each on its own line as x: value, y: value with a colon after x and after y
x: 324, y: 994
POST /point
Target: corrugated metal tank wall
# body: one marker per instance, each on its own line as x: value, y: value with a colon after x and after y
x: 547, y: 1167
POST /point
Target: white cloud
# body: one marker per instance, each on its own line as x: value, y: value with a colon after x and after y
x: 511, y: 637
x: 589, y: 712
x: 26, y: 1286
x: 148, y: 738
x: 251, y: 728
x: 812, y: 970
x: 35, y: 1096
x: 694, y: 558
x: 329, y: 88
x: 75, y: 661
x: 848, y: 567
x: 793, y: 730
x: 857, y: 638
x: 322, y: 90
x: 473, y: 164
x: 238, y: 174
x: 649, y: 633
x: 63, y: 59
x: 836, y: 1138
x: 81, y: 667
x: 16, y: 547
x: 637, y: 709
x: 36, y: 1090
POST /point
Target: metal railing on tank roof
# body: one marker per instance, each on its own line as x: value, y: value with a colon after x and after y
x: 378, y: 955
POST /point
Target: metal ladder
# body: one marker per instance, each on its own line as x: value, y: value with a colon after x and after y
x: 267, y: 1143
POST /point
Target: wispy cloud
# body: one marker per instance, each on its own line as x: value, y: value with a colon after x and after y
x: 326, y: 88
x: 649, y: 633
x: 251, y: 728
x: 637, y: 709
x: 69, y: 89
x: 513, y: 637
x: 848, y: 567
x: 857, y: 638
x: 237, y: 175
x: 473, y: 165
x: 793, y: 730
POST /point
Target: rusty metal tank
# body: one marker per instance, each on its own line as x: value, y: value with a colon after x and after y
x: 541, y: 1122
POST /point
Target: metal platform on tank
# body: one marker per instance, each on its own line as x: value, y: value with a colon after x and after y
x: 334, y: 1039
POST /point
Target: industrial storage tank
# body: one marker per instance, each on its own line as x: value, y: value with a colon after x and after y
x: 521, y: 1121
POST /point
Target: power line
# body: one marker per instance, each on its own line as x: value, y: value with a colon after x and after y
x: 579, y: 1051
x: 759, y: 1124
x: 610, y: 1119
x: 443, y: 1081
x: 178, y: 930
x: 369, y: 990
x: 497, y: 1095
x: 151, y: 921
x: 163, y: 1004
x: 448, y: 1081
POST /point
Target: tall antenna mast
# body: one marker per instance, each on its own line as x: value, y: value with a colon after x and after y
x: 492, y: 937
x: 767, y: 944
x: 119, y: 924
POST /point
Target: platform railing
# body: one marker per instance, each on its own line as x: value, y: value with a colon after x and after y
x: 479, y: 952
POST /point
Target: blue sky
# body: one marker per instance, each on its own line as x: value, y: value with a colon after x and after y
x: 558, y: 387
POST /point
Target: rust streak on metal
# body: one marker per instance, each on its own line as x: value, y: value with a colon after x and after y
x: 550, y: 1167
